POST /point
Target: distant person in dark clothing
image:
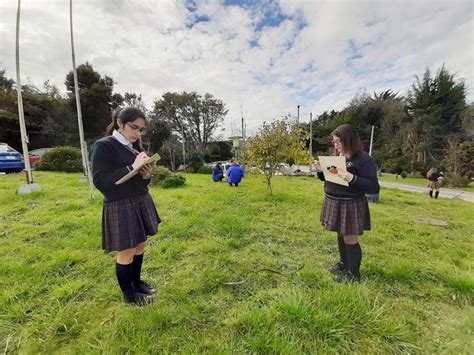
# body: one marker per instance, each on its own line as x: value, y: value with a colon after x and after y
x: 129, y: 214
x: 345, y: 209
x: 235, y: 174
x: 434, y: 176
x: 217, y: 173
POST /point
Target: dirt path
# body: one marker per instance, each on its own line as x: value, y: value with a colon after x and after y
x: 443, y: 192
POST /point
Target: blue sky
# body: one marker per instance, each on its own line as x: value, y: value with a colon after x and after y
x: 262, y: 58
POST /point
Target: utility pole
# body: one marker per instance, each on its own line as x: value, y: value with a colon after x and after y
x: 85, y: 155
x: 243, y: 129
x: 29, y: 187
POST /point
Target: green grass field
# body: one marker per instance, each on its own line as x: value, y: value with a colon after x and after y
x: 59, y: 293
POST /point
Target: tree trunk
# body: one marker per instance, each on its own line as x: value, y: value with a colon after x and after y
x: 269, y: 184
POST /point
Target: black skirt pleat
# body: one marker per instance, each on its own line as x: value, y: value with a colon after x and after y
x: 127, y: 222
x: 346, y: 217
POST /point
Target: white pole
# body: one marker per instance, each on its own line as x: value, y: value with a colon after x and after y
x: 311, y: 139
x: 184, y: 148
x: 85, y: 159
x: 21, y: 114
x: 311, y: 133
x: 298, y: 130
x: 371, y: 140
x: 372, y: 197
x: 29, y: 187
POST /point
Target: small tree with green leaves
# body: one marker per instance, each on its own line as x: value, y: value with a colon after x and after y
x: 278, y: 142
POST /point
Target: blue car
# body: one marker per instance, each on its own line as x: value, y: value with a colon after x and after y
x: 10, y: 160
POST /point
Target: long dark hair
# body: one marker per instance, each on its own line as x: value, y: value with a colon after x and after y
x: 127, y: 114
x: 431, y: 172
x: 350, y: 139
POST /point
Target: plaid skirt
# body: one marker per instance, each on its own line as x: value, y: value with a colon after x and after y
x: 346, y: 217
x: 127, y: 223
x: 434, y: 185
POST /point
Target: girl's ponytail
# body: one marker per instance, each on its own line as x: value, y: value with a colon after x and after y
x: 113, y: 125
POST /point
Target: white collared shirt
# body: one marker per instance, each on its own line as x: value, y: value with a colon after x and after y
x: 119, y: 136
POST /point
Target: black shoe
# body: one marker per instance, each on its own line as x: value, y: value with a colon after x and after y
x: 339, y: 267
x: 137, y: 298
x: 347, y: 277
x: 143, y: 287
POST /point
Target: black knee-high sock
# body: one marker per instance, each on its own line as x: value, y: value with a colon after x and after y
x: 431, y: 193
x: 124, y: 276
x: 436, y: 194
x: 342, y: 250
x: 137, y: 267
x: 354, y: 258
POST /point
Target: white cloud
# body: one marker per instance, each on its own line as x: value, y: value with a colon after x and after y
x: 314, y: 54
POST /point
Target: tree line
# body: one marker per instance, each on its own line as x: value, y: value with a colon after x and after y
x: 431, y: 126
x: 174, y: 120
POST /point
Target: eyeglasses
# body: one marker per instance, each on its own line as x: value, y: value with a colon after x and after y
x: 142, y: 130
x: 336, y: 142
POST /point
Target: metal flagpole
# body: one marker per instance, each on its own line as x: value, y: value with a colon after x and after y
x: 85, y: 158
x: 29, y: 187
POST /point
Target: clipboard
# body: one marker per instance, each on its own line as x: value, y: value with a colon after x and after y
x: 330, y: 165
x: 155, y: 157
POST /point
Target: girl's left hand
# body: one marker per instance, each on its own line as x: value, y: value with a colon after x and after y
x: 344, y: 175
x: 145, y: 171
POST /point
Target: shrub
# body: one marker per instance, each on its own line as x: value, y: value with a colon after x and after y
x: 417, y: 174
x: 159, y: 174
x: 455, y: 180
x: 174, y: 180
x: 194, y: 161
x: 204, y: 170
x: 403, y: 174
x: 67, y: 159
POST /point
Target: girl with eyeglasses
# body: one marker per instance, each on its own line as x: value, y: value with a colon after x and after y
x: 345, y: 209
x: 129, y: 214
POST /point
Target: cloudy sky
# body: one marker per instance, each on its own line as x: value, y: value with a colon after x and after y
x: 262, y: 58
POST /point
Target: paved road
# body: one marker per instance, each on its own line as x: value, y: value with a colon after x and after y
x: 444, y: 192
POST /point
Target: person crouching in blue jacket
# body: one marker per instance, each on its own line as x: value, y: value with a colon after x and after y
x: 235, y: 174
x: 217, y: 173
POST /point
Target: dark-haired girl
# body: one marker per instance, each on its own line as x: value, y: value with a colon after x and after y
x: 434, y: 176
x: 345, y: 208
x: 129, y: 214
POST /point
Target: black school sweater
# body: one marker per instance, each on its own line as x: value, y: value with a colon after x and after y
x: 365, y: 181
x: 111, y: 160
x: 435, y: 176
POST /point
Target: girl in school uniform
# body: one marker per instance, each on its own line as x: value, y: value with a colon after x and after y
x: 345, y: 209
x: 129, y: 214
x: 434, y: 177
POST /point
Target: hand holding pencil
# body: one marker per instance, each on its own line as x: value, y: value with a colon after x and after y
x: 142, y: 157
